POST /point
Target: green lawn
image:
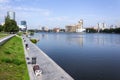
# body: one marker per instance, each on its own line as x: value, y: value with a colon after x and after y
x: 3, y: 34
x: 12, y: 60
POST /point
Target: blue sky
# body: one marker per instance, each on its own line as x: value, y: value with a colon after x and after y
x: 58, y: 13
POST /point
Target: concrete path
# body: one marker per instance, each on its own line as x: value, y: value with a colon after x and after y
x: 50, y: 70
x: 4, y: 39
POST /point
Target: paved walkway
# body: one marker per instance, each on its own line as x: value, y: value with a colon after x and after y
x: 50, y: 70
x: 4, y: 39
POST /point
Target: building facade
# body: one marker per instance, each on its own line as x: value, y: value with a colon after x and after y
x: 75, y: 28
x: 45, y: 29
x: 11, y: 15
x: 56, y: 29
x: 23, y: 23
x: 23, y: 26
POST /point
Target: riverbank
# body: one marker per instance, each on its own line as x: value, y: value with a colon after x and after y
x: 50, y: 70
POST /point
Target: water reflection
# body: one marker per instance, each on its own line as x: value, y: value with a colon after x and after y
x: 84, y: 56
x: 103, y: 39
x: 82, y: 39
x: 76, y: 40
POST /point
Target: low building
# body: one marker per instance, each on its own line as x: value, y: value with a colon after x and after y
x: 75, y: 28
x: 22, y: 27
x: 70, y: 28
x: 56, y: 29
x: 45, y: 29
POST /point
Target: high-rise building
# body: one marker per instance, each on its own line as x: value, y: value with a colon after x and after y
x: 11, y: 15
x: 98, y: 25
x: 23, y: 23
x: 23, y: 26
x: 101, y: 26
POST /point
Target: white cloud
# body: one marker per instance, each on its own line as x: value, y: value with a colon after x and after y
x: 61, y: 18
x: 5, y: 7
x: 44, y: 12
x: 18, y: 0
x: 32, y: 15
x: 4, y: 1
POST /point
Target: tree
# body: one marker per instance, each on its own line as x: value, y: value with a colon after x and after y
x: 1, y: 28
x: 10, y: 25
x: 91, y: 30
x: 117, y: 30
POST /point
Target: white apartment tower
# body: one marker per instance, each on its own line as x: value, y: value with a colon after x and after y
x: 11, y: 15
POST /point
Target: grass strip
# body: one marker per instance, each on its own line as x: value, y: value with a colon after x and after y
x: 12, y: 60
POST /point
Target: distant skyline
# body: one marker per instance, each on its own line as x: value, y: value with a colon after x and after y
x: 58, y: 13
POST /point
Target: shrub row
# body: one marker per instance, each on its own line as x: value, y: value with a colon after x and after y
x: 14, y: 61
x: 34, y: 40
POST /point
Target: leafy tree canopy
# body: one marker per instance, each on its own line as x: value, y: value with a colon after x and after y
x: 10, y: 25
x: 1, y: 28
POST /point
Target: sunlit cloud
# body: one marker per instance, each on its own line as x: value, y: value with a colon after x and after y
x: 43, y: 12
x: 19, y: 0
x: 4, y: 1
x: 61, y: 18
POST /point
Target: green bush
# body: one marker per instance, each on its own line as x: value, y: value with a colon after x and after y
x: 31, y: 33
x: 34, y: 41
x: 91, y: 30
x: 17, y: 61
x: 14, y: 61
x: 7, y: 60
x: 19, y: 33
x: 7, y: 52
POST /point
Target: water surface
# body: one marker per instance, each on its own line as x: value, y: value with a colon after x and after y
x: 84, y: 56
